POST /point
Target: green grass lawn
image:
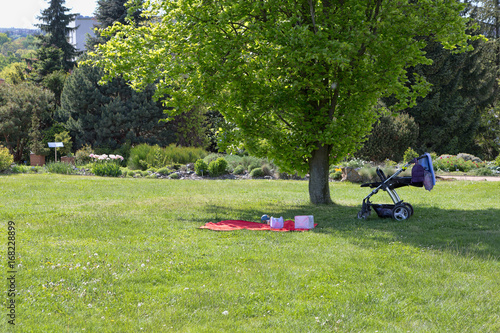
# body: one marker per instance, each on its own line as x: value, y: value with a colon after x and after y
x: 126, y: 255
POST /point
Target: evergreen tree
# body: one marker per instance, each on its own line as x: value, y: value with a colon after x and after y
x: 112, y: 114
x: 48, y: 59
x: 47, y: 69
x: 487, y: 14
x: 463, y: 85
x: 390, y: 137
x: 107, y: 13
x: 110, y: 11
x: 55, y: 25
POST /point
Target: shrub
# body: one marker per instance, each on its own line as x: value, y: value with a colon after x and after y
x: 389, y: 137
x: 106, y: 169
x: 453, y: 163
x: 65, y: 138
x: 257, y: 172
x: 182, y: 155
x: 124, y: 151
x: 254, y: 165
x: 389, y: 171
x: 82, y: 155
x: 59, y: 167
x: 469, y: 157
x: 139, y: 155
x: 175, y: 175
x: 234, y: 160
x: 200, y: 167
x: 163, y: 171
x: 251, y: 162
x: 409, y: 155
x: 27, y: 169
x: 336, y: 175
x: 6, y: 159
x: 369, y: 174
x: 175, y: 166
x: 355, y: 163
x: 283, y: 175
x: 239, y: 170
x: 144, y: 156
x: 106, y: 165
x: 18, y: 169
x: 218, y: 167
x: 497, y: 161
x: 483, y: 172
x: 211, y: 157
x: 266, y: 169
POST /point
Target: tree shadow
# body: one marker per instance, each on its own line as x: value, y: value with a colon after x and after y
x: 464, y: 232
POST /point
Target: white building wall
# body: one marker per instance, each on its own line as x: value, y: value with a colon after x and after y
x: 85, y: 26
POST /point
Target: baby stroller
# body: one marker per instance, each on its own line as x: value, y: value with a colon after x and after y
x: 422, y: 175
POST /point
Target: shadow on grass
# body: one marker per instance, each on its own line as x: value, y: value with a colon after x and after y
x: 464, y: 232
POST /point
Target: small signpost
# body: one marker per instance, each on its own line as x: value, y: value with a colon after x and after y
x: 55, y: 145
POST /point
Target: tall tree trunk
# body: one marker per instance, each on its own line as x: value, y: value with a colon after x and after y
x: 319, y: 188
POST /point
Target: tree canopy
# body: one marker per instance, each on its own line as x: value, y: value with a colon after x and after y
x: 297, y: 79
x: 55, y: 23
x: 18, y: 105
x: 112, y: 114
x: 107, y: 13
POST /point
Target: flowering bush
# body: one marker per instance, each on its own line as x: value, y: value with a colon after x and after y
x: 454, y: 163
x: 106, y: 165
x: 354, y: 163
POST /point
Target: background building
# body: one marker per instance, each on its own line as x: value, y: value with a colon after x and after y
x: 85, y: 26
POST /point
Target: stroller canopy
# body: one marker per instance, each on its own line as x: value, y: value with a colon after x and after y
x: 429, y: 176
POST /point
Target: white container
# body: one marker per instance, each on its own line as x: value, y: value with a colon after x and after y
x: 277, y: 223
x: 304, y: 222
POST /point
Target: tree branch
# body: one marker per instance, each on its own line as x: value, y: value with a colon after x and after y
x: 311, y: 9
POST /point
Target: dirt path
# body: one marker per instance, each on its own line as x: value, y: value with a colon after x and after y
x: 472, y: 178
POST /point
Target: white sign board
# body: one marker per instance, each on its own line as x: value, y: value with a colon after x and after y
x: 55, y: 144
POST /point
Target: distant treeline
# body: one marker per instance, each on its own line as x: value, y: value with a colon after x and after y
x: 18, y: 33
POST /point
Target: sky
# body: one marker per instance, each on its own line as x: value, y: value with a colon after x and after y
x: 23, y: 13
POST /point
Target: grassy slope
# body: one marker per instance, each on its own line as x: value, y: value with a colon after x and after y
x: 126, y: 255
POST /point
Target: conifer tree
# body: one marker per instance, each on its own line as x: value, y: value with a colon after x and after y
x: 462, y: 86
x: 110, y: 11
x: 56, y: 20
x: 107, y: 13
x: 112, y: 114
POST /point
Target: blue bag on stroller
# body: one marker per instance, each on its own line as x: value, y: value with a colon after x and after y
x: 422, y: 176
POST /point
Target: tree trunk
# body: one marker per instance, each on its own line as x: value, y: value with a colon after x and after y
x: 319, y: 187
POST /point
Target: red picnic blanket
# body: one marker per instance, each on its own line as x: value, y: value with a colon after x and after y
x: 228, y: 225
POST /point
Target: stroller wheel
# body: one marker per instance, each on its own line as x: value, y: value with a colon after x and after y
x: 410, y: 207
x: 362, y: 215
x: 401, y: 212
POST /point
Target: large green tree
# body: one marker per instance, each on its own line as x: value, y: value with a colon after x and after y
x: 463, y: 86
x: 55, y: 24
x: 297, y: 79
x: 18, y: 104
x: 487, y: 15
